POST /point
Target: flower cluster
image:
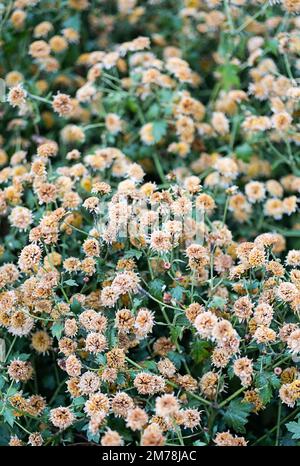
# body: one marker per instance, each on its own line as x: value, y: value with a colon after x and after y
x: 150, y: 255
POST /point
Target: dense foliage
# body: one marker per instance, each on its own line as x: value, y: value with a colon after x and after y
x: 150, y: 255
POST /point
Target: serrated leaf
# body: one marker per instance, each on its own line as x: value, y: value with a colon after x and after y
x: 9, y: 417
x: 217, y: 302
x: 294, y: 427
x: 79, y: 401
x: 75, y: 306
x: 156, y: 287
x: 149, y: 365
x: 236, y: 415
x: 159, y: 129
x: 176, y: 358
x: 229, y: 76
x: 177, y: 293
x: 199, y: 351
x: 176, y: 333
x: 57, y: 329
x: 71, y: 282
x: 133, y: 253
x: 265, y: 382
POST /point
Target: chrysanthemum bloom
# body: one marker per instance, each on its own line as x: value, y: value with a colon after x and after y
x: 255, y: 191
x: 166, y: 405
x: 243, y: 308
x: 136, y: 419
x: 292, y: 6
x: 42, y: 29
x: 144, y: 322
x: 41, y: 341
x: 109, y: 375
x: 124, y: 320
x: 205, y: 323
x: 72, y: 134
x: 71, y: 327
x: 21, y: 217
x: 15, y: 441
x: 20, y: 370
x: 264, y: 334
x: 193, y: 310
x: 112, y: 439
x: 152, y: 436
x: 62, y: 417
x: 293, y: 258
x: 166, y: 367
x: 39, y: 49
x: 121, y: 404
x: 116, y: 358
x: 17, y: 96
x: 97, y: 402
x: 95, y: 343
x: 160, y: 241
x: 89, y: 382
x: 209, y: 384
x: 35, y: 439
x: 191, y: 418
x: 29, y: 257
x: 263, y: 314
x: 293, y: 342
x: 243, y: 369
x: 220, y: 123
x: 287, y: 291
x: 126, y: 282
x: 226, y: 439
x: 62, y: 104
x: 146, y: 134
x: 148, y: 384
x: 73, y: 366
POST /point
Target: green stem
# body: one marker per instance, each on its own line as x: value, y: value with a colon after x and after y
x: 278, y: 424
x: 234, y: 395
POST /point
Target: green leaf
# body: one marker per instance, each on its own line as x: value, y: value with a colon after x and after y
x: 236, y: 415
x: 266, y: 382
x: 71, y: 282
x: 156, y: 287
x: 73, y: 22
x: 176, y: 358
x: 199, y: 351
x: 218, y: 302
x: 149, y: 365
x: 244, y: 152
x: 2, y: 382
x: 229, y: 76
x: 9, y: 417
x: 79, y: 401
x: 176, y: 333
x: 177, y: 293
x: 75, y: 306
x: 294, y: 427
x: 153, y: 111
x: 57, y: 329
x: 159, y: 129
x: 133, y: 253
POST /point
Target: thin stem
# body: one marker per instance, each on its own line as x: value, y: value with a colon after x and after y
x: 229, y: 17
x: 250, y: 20
x: 10, y: 349
x: 234, y: 395
x: 95, y: 125
x: 278, y: 424
x: 284, y: 420
x: 40, y: 99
